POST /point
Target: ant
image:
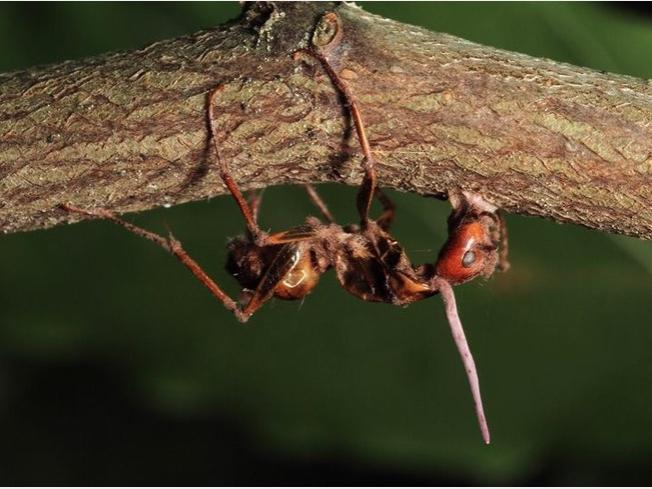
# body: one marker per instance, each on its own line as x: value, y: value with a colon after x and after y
x: 369, y: 263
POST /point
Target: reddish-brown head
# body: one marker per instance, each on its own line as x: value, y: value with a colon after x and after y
x: 468, y: 252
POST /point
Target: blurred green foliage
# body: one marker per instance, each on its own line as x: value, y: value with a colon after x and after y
x: 562, y: 340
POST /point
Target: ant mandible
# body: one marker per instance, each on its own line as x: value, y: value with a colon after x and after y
x: 368, y: 262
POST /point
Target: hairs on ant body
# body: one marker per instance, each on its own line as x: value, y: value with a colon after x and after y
x: 368, y: 262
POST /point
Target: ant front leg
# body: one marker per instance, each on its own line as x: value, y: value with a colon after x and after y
x: 503, y: 247
x: 174, y: 247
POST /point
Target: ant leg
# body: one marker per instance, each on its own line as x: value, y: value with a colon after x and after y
x: 503, y: 249
x: 225, y: 172
x: 170, y: 245
x: 255, y: 199
x: 319, y: 203
x: 368, y: 186
x: 389, y: 210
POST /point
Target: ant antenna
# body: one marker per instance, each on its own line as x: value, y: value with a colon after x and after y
x: 459, y: 337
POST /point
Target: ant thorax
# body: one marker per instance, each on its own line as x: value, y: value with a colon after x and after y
x: 371, y: 265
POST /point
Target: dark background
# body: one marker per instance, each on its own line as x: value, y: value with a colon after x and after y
x: 116, y: 367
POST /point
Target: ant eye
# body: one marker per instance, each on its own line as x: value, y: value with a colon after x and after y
x: 468, y: 259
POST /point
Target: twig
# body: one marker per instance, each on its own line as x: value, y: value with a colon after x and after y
x: 127, y: 131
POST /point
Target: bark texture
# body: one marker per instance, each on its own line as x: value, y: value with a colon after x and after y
x: 128, y: 131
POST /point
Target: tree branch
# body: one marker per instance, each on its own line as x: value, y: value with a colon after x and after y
x: 127, y: 131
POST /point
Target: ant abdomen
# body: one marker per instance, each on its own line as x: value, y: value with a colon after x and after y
x: 302, y: 277
x: 286, y: 271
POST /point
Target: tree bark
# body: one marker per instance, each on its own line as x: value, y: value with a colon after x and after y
x: 128, y: 131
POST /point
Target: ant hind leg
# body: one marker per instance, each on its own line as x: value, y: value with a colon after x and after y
x: 172, y: 246
x: 316, y: 199
x: 389, y: 210
x: 225, y: 172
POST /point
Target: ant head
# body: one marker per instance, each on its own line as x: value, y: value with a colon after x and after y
x: 469, y: 251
